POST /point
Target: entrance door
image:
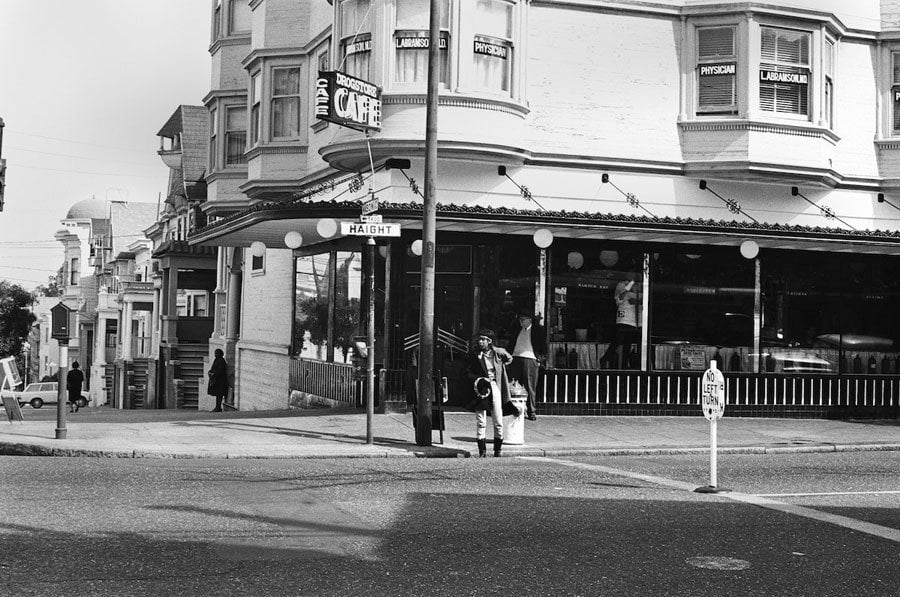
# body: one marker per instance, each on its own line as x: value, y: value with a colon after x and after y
x: 453, y: 329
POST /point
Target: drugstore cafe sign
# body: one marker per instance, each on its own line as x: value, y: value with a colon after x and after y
x: 348, y: 101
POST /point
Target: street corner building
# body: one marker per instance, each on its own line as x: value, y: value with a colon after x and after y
x: 662, y: 184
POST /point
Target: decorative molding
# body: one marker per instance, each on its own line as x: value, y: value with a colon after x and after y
x: 888, y: 144
x: 777, y: 128
x: 227, y: 174
x: 220, y: 94
x: 275, y: 149
x: 242, y: 39
x: 477, y: 103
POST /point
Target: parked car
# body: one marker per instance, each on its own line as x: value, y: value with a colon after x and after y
x: 38, y: 394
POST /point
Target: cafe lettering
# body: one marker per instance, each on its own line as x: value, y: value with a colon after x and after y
x: 348, y: 101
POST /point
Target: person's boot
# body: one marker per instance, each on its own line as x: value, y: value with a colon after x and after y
x: 498, y: 443
x: 482, y: 448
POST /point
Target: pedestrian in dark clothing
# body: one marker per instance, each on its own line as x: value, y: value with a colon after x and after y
x: 218, y: 379
x: 486, y: 371
x: 74, y: 379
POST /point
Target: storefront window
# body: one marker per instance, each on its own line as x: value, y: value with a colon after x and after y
x: 313, y: 291
x: 702, y: 309
x: 595, y: 306
x: 825, y: 313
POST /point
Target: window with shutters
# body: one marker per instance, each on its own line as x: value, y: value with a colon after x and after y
x: 411, y: 41
x: 716, y: 70
x: 895, y: 91
x: 784, y: 71
x: 255, y: 95
x: 356, y: 38
x: 828, y: 97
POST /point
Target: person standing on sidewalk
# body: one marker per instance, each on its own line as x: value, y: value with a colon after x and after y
x: 218, y: 379
x: 528, y: 354
x: 74, y: 379
x: 486, y: 371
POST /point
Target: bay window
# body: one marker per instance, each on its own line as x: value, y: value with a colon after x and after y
x: 356, y: 38
x: 411, y: 41
x: 828, y: 100
x: 238, y: 16
x: 213, y: 134
x: 493, y: 46
x: 784, y: 71
x: 716, y: 70
x: 895, y: 91
x: 255, y: 94
x: 285, y: 102
x: 235, y: 135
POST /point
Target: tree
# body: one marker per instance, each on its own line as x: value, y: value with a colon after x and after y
x: 15, y: 318
x: 51, y: 289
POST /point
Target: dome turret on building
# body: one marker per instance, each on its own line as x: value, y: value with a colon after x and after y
x: 85, y: 209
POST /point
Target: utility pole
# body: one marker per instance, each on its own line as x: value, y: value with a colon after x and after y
x: 2, y: 166
x: 425, y: 394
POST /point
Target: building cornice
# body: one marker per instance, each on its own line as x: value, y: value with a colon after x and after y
x: 220, y: 94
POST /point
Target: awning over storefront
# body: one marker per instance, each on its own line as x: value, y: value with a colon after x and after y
x: 269, y: 223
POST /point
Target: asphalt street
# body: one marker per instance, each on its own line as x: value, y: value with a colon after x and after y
x: 510, y: 526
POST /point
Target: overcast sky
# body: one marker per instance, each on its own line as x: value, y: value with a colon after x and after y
x: 84, y: 87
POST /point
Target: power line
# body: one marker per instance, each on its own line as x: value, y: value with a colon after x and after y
x: 91, y: 173
x: 66, y: 140
x: 80, y: 157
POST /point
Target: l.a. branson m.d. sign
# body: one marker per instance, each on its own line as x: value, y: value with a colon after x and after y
x: 348, y: 101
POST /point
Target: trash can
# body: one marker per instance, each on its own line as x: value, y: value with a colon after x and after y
x: 514, y: 426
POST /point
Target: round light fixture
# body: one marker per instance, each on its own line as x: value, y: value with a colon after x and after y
x: 257, y: 248
x: 575, y: 260
x: 326, y: 227
x: 416, y: 247
x: 609, y: 258
x: 293, y: 239
x: 749, y: 249
x: 543, y: 238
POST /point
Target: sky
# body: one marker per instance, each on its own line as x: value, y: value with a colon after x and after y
x: 85, y: 85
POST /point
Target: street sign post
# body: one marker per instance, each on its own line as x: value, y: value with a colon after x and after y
x: 712, y: 389
x: 370, y: 206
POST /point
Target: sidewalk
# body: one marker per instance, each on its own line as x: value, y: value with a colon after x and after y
x: 324, y: 433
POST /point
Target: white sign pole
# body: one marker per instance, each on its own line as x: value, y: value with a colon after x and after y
x: 712, y: 387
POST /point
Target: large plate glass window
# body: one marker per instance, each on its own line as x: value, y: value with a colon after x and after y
x: 285, y: 102
x: 255, y: 94
x: 235, y: 135
x: 356, y: 38
x: 411, y: 41
x: 493, y: 47
x: 784, y: 71
x: 716, y: 71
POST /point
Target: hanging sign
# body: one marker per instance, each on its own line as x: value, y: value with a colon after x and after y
x: 348, y: 101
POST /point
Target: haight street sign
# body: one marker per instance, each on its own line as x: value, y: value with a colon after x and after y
x: 369, y: 229
x: 348, y: 101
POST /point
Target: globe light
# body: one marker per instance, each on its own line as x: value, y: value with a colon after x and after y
x: 749, y: 249
x: 257, y: 248
x: 416, y: 247
x: 575, y: 260
x: 609, y: 258
x: 293, y: 239
x: 543, y: 238
x: 326, y: 227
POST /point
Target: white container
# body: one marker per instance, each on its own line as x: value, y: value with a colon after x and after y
x: 514, y: 427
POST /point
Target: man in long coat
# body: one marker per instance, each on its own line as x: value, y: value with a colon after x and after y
x: 486, y: 365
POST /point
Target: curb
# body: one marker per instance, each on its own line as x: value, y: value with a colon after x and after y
x: 14, y: 449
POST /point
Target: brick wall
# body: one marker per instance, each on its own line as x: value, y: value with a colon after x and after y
x: 263, y: 381
x: 267, y: 301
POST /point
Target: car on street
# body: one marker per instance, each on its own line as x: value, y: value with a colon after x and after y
x: 38, y: 394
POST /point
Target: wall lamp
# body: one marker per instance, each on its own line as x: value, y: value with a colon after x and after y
x: 501, y: 171
x: 630, y: 197
x: 403, y: 165
x: 881, y: 199
x: 733, y: 206
x: 826, y: 211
